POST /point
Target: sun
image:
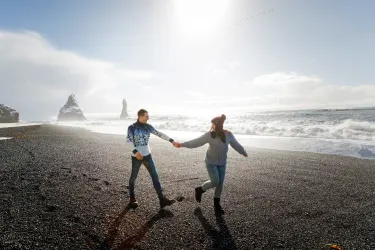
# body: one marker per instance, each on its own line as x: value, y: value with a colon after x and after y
x: 197, y: 18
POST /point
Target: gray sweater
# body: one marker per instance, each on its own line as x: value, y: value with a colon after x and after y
x: 217, y: 150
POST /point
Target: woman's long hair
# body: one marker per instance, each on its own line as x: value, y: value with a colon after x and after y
x: 219, y: 128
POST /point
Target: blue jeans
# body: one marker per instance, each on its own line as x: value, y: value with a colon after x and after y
x: 217, y: 175
x: 149, y: 164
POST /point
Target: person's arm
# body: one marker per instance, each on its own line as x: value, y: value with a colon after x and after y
x: 236, y: 145
x: 130, y: 139
x: 198, y: 142
x: 160, y: 134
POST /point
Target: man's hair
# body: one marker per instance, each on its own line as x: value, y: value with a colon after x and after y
x: 141, y: 112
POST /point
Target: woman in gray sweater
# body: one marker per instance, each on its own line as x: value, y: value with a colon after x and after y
x: 216, y: 158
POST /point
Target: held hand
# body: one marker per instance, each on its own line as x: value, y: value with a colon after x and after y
x: 245, y: 155
x: 176, y: 144
x: 139, y: 156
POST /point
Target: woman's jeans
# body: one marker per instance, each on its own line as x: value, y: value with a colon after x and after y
x: 217, y: 175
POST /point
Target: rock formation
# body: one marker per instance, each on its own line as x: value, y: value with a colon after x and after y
x: 8, y: 115
x: 71, y: 111
x: 124, y: 112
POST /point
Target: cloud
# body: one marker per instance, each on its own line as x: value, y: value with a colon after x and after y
x: 233, y: 65
x: 198, y: 95
x: 221, y: 69
x: 296, y: 91
x: 282, y: 90
x: 36, y: 77
x: 208, y: 104
x: 285, y: 83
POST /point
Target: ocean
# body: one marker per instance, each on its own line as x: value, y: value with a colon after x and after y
x: 349, y: 132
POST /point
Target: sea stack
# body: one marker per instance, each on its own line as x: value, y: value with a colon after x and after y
x: 8, y: 114
x: 71, y: 111
x: 124, y: 112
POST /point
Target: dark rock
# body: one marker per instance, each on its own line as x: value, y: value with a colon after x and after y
x: 51, y: 208
x: 180, y: 198
x: 76, y: 218
x: 71, y: 111
x: 124, y: 112
x: 8, y: 115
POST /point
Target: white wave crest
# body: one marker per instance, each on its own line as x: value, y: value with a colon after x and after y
x: 347, y: 129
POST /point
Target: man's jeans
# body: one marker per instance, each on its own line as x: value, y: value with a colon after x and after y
x: 149, y: 164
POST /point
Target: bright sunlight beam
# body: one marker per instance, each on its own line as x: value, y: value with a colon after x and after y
x: 197, y: 18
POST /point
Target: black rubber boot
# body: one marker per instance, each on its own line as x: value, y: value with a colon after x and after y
x: 198, y: 193
x: 165, y: 202
x: 133, y: 202
x: 218, y: 209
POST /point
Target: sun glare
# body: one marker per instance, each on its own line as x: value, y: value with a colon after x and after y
x: 199, y: 17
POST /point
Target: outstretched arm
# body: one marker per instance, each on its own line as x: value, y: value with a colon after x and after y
x: 237, y: 146
x: 198, y: 142
x: 161, y: 135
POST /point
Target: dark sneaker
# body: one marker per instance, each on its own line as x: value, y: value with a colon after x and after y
x: 166, y: 202
x: 198, y: 193
x: 133, y: 203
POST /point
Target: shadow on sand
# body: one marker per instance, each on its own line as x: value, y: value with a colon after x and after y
x: 221, y: 239
x: 130, y: 242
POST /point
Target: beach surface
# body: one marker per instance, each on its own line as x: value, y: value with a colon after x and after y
x: 66, y: 188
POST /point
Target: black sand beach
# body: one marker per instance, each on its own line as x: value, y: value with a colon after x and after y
x: 65, y: 188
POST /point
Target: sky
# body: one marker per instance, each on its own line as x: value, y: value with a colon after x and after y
x: 186, y: 56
